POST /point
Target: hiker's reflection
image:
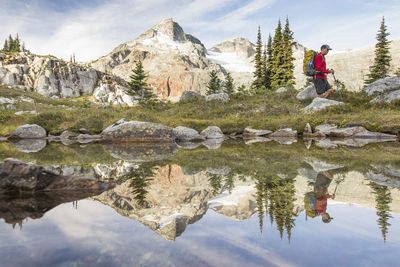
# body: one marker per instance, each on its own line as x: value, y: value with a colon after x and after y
x: 316, y: 201
x: 322, y: 183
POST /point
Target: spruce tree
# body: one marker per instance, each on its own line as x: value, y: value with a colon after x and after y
x: 137, y: 85
x: 258, y: 73
x: 288, y: 64
x: 381, y: 66
x: 278, y: 72
x: 267, y: 78
x: 265, y: 67
x: 214, y: 85
x: 228, y: 86
x: 5, y: 47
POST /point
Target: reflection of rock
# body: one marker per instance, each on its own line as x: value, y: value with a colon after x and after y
x: 386, y: 176
x: 115, y: 170
x: 284, y: 140
x: 16, y: 176
x: 72, y: 170
x: 320, y: 166
x: 240, y: 204
x: 87, y: 138
x: 350, y: 142
x: 141, y: 152
x: 188, y: 144
x: 257, y: 139
x: 173, y: 199
x: 213, y: 143
x: 30, y: 145
x: 15, y: 209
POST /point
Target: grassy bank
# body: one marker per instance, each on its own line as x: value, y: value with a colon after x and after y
x: 265, y: 111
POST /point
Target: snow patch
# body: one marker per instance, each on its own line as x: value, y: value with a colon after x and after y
x: 164, y: 44
x: 226, y: 199
x: 230, y: 61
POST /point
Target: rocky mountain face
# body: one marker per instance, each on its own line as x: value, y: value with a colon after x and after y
x: 53, y: 77
x: 175, y: 61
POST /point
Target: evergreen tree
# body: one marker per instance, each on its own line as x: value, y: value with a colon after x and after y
x: 268, y: 74
x: 258, y: 73
x: 228, y: 86
x: 140, y: 179
x: 381, y: 66
x: 288, y: 62
x: 214, y: 85
x: 382, y: 199
x: 5, y: 47
x: 137, y: 85
x: 265, y: 67
x: 278, y: 53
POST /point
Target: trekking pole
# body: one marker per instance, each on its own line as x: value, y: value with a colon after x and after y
x: 337, y: 86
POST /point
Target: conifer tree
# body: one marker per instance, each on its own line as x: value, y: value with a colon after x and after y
x: 5, y: 47
x: 214, y: 85
x: 228, y: 86
x: 265, y: 67
x: 278, y: 72
x: 137, y: 85
x: 258, y: 73
x: 288, y: 64
x: 267, y: 78
x: 381, y: 66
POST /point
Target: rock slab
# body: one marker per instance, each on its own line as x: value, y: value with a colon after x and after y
x: 138, y: 131
x: 28, y: 131
x: 182, y: 133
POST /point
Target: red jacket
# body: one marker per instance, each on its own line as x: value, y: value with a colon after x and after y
x: 320, y: 65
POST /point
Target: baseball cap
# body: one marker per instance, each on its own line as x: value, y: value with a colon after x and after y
x: 326, y: 46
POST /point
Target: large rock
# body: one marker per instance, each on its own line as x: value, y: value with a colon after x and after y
x: 383, y: 86
x: 138, y: 131
x: 182, y: 133
x: 307, y: 93
x: 212, y: 132
x: 320, y: 103
x: 189, y: 95
x: 386, y: 90
x: 28, y: 131
x: 16, y: 176
x: 223, y: 97
x: 354, y: 132
x: 254, y: 132
x: 287, y: 133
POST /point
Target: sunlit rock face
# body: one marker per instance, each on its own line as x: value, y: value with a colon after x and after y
x: 53, y: 77
x: 171, y: 199
x: 175, y: 61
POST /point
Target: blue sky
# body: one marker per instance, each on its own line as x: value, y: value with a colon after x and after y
x: 92, y: 28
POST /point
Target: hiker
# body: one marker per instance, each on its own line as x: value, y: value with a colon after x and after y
x: 321, y: 83
x: 321, y: 185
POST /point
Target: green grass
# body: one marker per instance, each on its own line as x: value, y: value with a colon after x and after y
x: 264, y: 111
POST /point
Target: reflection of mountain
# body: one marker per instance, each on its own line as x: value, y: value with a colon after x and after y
x: 173, y: 200
x: 16, y: 208
x: 141, y: 152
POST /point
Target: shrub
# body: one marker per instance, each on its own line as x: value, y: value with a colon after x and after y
x: 50, y: 121
x: 94, y: 124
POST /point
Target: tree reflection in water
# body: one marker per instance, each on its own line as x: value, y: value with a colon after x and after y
x: 275, y: 197
x: 382, y: 199
x: 140, y: 179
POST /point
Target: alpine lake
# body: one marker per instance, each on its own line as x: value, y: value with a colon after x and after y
x: 236, y: 203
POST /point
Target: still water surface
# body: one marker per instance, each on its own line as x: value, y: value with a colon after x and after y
x: 262, y: 204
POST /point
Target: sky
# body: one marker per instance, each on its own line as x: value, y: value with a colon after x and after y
x: 92, y: 28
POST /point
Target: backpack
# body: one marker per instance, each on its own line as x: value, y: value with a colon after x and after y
x: 308, y: 63
x: 309, y: 204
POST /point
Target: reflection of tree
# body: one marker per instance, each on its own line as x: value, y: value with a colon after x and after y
x: 382, y: 198
x: 139, y: 181
x: 275, y: 196
x: 215, y: 181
